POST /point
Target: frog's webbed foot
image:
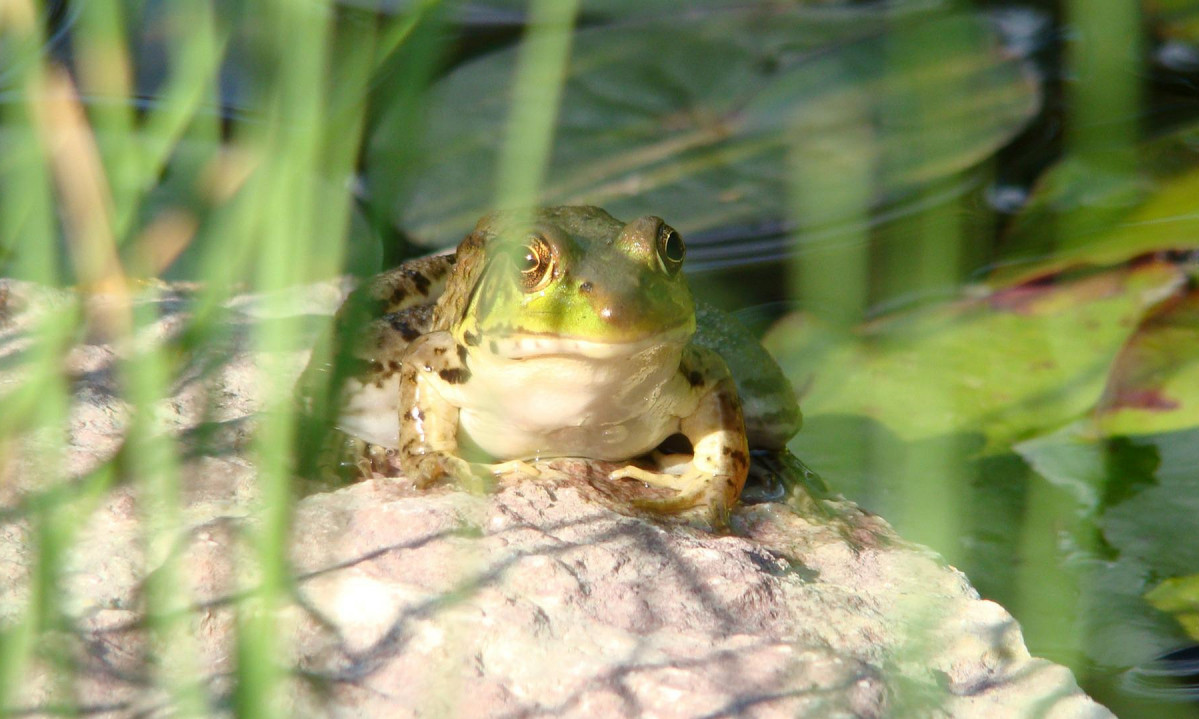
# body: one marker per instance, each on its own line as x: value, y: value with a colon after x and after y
x: 433, y: 467
x: 712, y: 476
x: 477, y: 477
x: 515, y: 469
x: 691, y: 489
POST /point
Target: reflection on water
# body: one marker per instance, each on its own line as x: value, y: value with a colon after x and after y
x: 1172, y: 677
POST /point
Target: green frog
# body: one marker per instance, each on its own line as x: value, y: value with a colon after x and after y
x: 562, y: 332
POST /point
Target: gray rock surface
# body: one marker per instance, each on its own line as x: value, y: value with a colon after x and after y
x: 537, y: 600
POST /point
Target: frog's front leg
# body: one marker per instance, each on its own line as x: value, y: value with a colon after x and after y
x: 716, y: 431
x: 428, y: 422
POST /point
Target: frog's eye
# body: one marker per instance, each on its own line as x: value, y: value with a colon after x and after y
x: 671, y: 249
x: 536, y: 264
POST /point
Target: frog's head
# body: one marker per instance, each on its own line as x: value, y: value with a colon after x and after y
x: 571, y: 279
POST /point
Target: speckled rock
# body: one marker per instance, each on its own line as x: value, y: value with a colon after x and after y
x: 539, y: 599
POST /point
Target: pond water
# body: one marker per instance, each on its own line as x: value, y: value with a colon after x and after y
x: 968, y: 232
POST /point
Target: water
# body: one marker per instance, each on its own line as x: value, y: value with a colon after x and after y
x: 749, y: 265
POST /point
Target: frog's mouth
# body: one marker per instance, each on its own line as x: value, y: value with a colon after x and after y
x: 527, y: 345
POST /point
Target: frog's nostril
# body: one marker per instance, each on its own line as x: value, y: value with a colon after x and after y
x: 586, y: 288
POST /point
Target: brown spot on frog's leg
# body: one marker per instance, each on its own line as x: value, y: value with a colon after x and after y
x: 452, y: 370
x: 735, y: 456
x: 428, y: 423
x: 454, y: 375
x: 419, y: 281
x: 695, y: 367
x: 402, y: 323
x: 381, y: 342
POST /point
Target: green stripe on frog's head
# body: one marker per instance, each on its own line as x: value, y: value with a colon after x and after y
x: 576, y: 273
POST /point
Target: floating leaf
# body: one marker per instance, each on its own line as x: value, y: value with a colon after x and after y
x: 1154, y: 383
x: 1123, y: 629
x: 1100, y: 472
x: 1071, y: 459
x: 1081, y: 215
x: 1011, y: 364
x: 1179, y: 597
x: 1157, y: 524
x: 1142, y: 495
x: 691, y: 117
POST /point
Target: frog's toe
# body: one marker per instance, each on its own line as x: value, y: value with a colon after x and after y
x: 710, y: 508
x: 691, y: 489
x: 681, y: 482
x: 471, y: 476
x: 517, y: 469
x: 479, y: 479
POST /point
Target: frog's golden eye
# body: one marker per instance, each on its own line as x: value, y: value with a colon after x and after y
x: 536, y: 264
x: 671, y: 249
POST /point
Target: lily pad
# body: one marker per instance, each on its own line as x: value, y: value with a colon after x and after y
x: 1179, y: 597
x: 1010, y: 364
x: 1081, y: 215
x: 1154, y: 383
x: 693, y: 117
x: 1157, y: 525
x: 1140, y: 494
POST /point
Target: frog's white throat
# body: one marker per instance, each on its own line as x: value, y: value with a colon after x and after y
x: 531, y: 396
x: 518, y: 347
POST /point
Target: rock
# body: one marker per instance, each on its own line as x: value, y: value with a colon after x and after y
x: 540, y: 599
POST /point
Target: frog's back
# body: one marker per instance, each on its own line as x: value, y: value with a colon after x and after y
x: 768, y: 401
x: 352, y: 380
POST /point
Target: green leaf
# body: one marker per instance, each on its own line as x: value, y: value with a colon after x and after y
x: 1010, y: 365
x: 1071, y: 459
x: 1179, y: 597
x: 1083, y: 215
x: 689, y: 117
x: 1157, y: 525
x: 1142, y: 497
x: 1154, y: 383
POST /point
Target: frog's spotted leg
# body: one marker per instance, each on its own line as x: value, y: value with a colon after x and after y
x: 418, y: 281
x: 716, y: 430
x: 429, y: 428
x: 377, y: 319
x: 347, y: 379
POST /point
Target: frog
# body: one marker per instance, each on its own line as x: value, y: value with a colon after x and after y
x: 556, y: 332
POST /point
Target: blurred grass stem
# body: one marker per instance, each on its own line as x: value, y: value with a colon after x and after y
x: 536, y: 94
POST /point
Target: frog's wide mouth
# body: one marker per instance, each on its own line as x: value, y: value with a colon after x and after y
x: 530, y: 345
